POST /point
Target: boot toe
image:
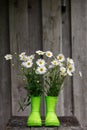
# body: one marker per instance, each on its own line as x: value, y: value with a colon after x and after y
x: 52, y: 120
x: 34, y: 120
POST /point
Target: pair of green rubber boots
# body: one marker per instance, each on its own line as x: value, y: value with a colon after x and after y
x: 35, y: 119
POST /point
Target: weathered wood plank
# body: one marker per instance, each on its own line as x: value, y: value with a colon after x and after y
x: 66, y: 49
x: 37, y: 128
x: 17, y: 128
x: 52, y: 34
x: 35, y: 30
x: 34, y: 25
x: 66, y: 124
x: 25, y: 35
x: 45, y: 128
x: 79, y: 53
x: 50, y: 128
x: 5, y: 82
x: 18, y: 23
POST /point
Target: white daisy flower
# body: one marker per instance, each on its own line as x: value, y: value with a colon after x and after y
x: 80, y: 73
x: 40, y: 62
x: 31, y: 57
x: 41, y: 70
x: 49, y: 54
x: 70, y: 70
x: 24, y: 58
x: 27, y: 64
x: 55, y: 62
x: 22, y: 54
x: 63, y: 71
x: 8, y: 57
x: 61, y: 57
x: 70, y: 62
x: 40, y: 52
x: 69, y: 73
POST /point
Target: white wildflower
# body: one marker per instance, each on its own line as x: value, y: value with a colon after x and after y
x: 39, y: 52
x: 40, y: 62
x: 41, y: 70
x: 70, y: 69
x: 23, y: 57
x: 49, y: 54
x: 80, y: 73
x: 22, y: 54
x: 55, y: 62
x: 31, y: 57
x: 70, y: 62
x: 61, y: 57
x: 27, y: 64
x: 63, y: 71
x: 8, y: 57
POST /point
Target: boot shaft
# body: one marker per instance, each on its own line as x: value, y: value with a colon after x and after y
x: 35, y: 103
x: 50, y: 103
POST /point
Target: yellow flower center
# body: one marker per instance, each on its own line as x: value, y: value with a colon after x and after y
x: 40, y: 52
x: 68, y: 64
x: 55, y: 62
x: 40, y: 62
x: 48, y: 54
x: 70, y: 68
x: 23, y: 55
x: 41, y: 69
x: 60, y: 57
x: 28, y: 63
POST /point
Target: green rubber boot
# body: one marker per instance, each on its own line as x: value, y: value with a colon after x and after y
x: 34, y: 119
x: 51, y: 117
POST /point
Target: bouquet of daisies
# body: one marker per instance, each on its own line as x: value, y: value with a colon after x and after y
x: 44, y: 65
x: 58, y: 69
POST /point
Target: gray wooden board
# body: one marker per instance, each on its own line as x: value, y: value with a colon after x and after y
x: 35, y: 31
x: 45, y: 128
x: 57, y: 40
x: 67, y: 123
x: 18, y: 23
x: 5, y: 86
x: 66, y: 49
x: 17, y: 128
x: 79, y: 53
x: 25, y: 35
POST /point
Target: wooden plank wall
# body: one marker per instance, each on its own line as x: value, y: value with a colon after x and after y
x: 66, y: 49
x: 79, y: 53
x: 52, y: 34
x: 27, y: 33
x: 45, y: 128
x: 58, y: 32
x: 5, y: 76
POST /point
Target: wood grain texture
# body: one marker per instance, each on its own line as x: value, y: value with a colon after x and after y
x: 79, y: 53
x: 5, y: 82
x: 52, y: 40
x: 35, y: 31
x: 18, y: 23
x: 34, y: 25
x: 25, y: 35
x: 17, y: 128
x: 50, y: 128
x: 66, y: 50
x: 45, y: 128
x: 37, y: 128
x: 67, y: 123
